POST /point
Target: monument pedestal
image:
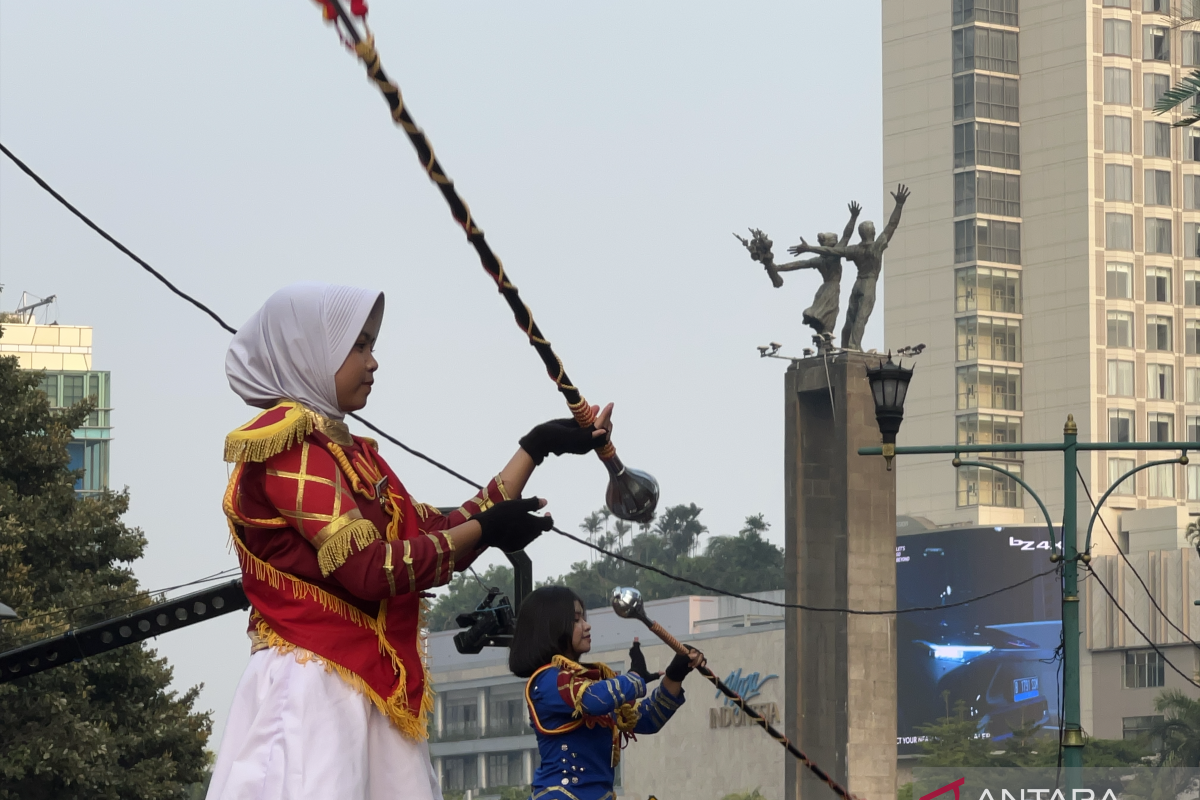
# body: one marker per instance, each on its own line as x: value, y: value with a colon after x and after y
x: 841, y: 552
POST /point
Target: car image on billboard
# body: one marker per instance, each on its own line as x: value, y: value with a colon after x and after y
x: 996, y: 656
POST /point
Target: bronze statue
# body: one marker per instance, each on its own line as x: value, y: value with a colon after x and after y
x: 821, y: 316
x: 867, y: 255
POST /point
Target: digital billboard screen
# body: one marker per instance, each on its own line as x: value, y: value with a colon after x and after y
x: 996, y: 655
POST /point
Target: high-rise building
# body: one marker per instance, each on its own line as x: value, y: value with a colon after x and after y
x: 1050, y: 259
x: 63, y: 354
x: 1050, y: 253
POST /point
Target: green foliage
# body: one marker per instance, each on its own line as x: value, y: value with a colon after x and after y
x: 464, y: 594
x: 743, y: 563
x: 905, y: 792
x: 953, y: 741
x: 1179, y: 94
x: 108, y: 728
x: 1179, y: 730
x: 754, y: 794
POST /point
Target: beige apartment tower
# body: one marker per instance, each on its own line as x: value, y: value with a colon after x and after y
x: 1050, y: 254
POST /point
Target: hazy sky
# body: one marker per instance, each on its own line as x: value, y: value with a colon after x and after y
x: 608, y: 150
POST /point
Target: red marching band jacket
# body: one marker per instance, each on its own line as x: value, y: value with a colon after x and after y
x: 335, y: 555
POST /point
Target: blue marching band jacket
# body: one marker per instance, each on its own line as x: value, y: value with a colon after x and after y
x: 582, y: 713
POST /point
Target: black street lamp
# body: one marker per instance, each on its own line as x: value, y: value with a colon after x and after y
x: 889, y: 386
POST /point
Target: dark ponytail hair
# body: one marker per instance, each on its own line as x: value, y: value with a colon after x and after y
x: 545, y: 627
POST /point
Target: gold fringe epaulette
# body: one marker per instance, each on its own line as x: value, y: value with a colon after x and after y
x: 270, y: 433
x: 337, y: 548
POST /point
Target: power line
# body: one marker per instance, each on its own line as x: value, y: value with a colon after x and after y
x: 1130, y: 566
x: 37, y: 179
x: 1141, y: 633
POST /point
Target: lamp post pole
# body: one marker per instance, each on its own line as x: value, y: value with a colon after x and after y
x: 1072, y: 733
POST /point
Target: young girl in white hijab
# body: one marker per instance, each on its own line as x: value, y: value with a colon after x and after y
x: 335, y: 556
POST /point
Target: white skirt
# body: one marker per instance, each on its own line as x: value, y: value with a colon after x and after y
x: 297, y: 732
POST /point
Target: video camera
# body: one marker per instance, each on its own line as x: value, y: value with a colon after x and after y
x: 488, y: 625
x: 494, y: 620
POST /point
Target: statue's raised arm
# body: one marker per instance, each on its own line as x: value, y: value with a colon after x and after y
x: 900, y: 195
x: 855, y: 210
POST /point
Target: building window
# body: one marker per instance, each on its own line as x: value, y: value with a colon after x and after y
x: 1116, y: 3
x: 1156, y: 140
x: 72, y: 390
x: 986, y: 49
x: 1160, y: 385
x: 1191, y: 387
x: 1158, y: 333
x: 998, y: 12
x: 985, y: 386
x: 987, y: 193
x: 1191, y: 288
x: 1118, y: 467
x: 1191, y: 144
x: 1156, y: 43
x: 1158, y: 235
x: 1140, y: 727
x: 461, y: 715
x: 989, y: 429
x: 987, y: 240
x: 1161, y: 480
x: 1158, y: 187
x: 1189, y: 9
x: 1118, y: 231
x: 1158, y: 284
x: 987, y: 144
x: 1120, y: 378
x: 1118, y: 280
x: 1143, y: 669
x: 1193, y: 429
x: 507, y: 715
x: 1117, y: 38
x: 1116, y: 86
x: 1191, y: 48
x: 1193, y: 480
x: 504, y: 769
x: 460, y: 773
x: 1118, y: 135
x: 1120, y: 425
x: 987, y: 289
x: 979, y: 486
x: 989, y: 338
x: 1160, y: 427
x: 1154, y: 86
x: 986, y: 97
x: 1191, y: 240
x: 1120, y: 329
x: 49, y: 385
x: 1118, y: 182
x: 1191, y: 337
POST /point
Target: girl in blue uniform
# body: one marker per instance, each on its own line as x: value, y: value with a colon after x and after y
x: 583, y: 712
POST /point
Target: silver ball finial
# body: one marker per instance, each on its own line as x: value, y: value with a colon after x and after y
x: 627, y: 602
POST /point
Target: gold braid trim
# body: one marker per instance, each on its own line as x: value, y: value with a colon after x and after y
x: 339, y: 546
x: 626, y: 714
x: 260, y: 444
x: 395, y: 708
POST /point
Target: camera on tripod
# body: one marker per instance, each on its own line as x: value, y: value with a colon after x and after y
x: 491, y: 624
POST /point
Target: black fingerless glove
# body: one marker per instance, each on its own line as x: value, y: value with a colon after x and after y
x: 637, y: 664
x: 679, y: 667
x: 510, y: 526
x: 560, y: 436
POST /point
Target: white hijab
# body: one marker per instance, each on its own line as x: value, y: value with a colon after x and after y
x: 293, y: 346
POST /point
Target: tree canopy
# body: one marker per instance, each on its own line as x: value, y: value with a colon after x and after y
x: 745, y: 562
x: 109, y: 727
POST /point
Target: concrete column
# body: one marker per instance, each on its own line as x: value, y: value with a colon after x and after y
x: 439, y: 715
x: 840, y: 520
x: 483, y: 712
x: 526, y: 767
x: 481, y: 767
x: 441, y: 771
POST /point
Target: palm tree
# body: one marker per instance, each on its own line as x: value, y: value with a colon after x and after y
x: 1187, y: 89
x: 1179, y: 730
x: 591, y: 525
x: 621, y: 528
x: 1193, y: 535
